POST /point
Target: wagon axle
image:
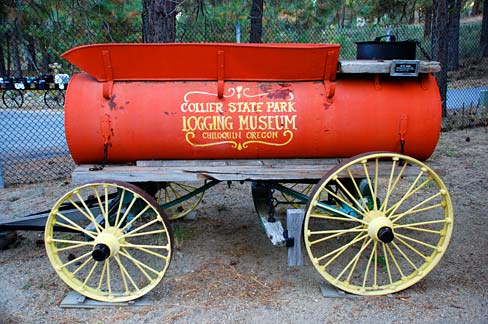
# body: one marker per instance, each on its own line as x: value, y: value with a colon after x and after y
x: 379, y: 227
x: 101, y: 252
x: 385, y: 234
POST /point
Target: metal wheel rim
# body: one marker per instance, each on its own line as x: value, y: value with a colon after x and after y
x: 7, y: 98
x: 351, y: 263
x: 174, y: 190
x: 142, y: 237
x: 53, y: 98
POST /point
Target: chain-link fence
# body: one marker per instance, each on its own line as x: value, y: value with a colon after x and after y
x: 32, y: 141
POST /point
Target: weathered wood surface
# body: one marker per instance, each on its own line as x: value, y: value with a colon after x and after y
x: 294, y: 225
x: 382, y: 66
x: 223, y: 170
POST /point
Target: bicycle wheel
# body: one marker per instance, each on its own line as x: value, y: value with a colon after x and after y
x: 13, y: 98
x: 54, y: 98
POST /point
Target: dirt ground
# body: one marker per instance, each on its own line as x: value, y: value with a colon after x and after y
x: 225, y: 270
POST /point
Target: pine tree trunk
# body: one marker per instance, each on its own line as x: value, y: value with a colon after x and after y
x: 343, y: 15
x: 439, y: 46
x: 159, y: 21
x: 46, y: 58
x: 8, y: 59
x: 17, y: 67
x: 427, y: 22
x: 256, y: 21
x: 454, y: 10
x: 31, y: 48
x: 3, y: 71
x: 484, y: 30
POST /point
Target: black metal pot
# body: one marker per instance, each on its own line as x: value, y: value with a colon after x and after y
x: 379, y: 50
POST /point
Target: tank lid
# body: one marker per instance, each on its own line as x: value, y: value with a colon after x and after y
x: 206, y: 61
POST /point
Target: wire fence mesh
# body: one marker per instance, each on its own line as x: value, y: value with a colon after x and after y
x: 32, y: 141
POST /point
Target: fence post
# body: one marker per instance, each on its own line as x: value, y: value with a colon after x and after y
x: 238, y: 32
x: 2, y: 184
x: 483, y: 104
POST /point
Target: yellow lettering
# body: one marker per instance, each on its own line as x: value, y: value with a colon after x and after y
x: 283, y: 106
x: 202, y: 107
x: 207, y: 123
x: 262, y: 135
x: 269, y: 106
x: 290, y: 106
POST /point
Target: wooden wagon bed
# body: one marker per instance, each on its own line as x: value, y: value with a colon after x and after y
x: 222, y: 170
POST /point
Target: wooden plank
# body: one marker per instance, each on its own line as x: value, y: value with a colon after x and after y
x: 223, y: 170
x: 294, y: 224
x: 232, y: 173
x: 383, y: 66
x: 274, y: 231
x: 275, y: 163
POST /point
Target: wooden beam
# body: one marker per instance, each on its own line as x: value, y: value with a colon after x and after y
x: 382, y: 66
x: 222, y: 170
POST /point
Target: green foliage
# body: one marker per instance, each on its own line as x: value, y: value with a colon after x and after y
x: 180, y: 234
x: 28, y: 284
x: 50, y: 27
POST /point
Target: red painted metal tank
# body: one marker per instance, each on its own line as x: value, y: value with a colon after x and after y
x: 224, y: 101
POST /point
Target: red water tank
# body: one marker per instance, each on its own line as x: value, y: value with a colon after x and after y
x: 225, y: 101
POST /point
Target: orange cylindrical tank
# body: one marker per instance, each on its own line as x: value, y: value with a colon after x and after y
x: 222, y: 119
x: 186, y: 120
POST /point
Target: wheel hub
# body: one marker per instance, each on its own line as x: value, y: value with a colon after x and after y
x: 100, y: 252
x: 107, y: 244
x: 380, y: 227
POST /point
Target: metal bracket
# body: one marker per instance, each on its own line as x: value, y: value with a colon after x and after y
x: 330, y: 72
x: 262, y: 196
x: 402, y: 131
x: 220, y: 74
x: 424, y: 81
x: 106, y: 128
x: 107, y: 86
x: 377, y: 83
x: 106, y: 132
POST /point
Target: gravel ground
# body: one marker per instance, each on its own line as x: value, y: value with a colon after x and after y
x: 226, y: 271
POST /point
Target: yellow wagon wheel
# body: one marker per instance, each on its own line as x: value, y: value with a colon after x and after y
x: 109, y: 241
x: 378, y: 223
x: 303, y: 188
x: 171, y: 191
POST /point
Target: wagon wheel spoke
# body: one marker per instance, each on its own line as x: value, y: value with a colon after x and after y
x: 386, y: 224
x: 170, y: 197
x: 303, y: 188
x: 117, y: 256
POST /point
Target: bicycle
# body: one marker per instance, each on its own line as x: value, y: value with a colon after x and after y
x: 13, y: 94
x: 53, y: 85
x: 54, y: 95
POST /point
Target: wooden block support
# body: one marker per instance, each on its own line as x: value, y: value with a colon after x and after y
x: 294, y: 224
